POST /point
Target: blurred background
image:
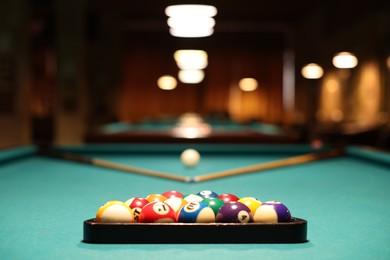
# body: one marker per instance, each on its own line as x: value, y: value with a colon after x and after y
x: 78, y: 71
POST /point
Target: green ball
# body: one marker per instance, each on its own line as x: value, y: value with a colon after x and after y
x: 214, y: 203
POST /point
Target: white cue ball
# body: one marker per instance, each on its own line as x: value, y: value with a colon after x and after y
x: 190, y: 157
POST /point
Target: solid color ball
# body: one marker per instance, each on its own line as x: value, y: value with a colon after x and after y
x: 172, y: 193
x: 228, y: 197
x: 136, y: 202
x: 251, y: 202
x: 234, y: 212
x: 155, y: 197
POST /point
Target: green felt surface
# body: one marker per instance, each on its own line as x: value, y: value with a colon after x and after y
x: 166, y: 126
x: 345, y: 200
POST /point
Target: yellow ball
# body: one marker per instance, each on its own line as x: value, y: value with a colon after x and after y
x: 251, y: 203
x: 190, y: 157
x: 114, y: 212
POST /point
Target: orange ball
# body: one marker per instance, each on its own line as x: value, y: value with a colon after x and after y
x: 155, y: 197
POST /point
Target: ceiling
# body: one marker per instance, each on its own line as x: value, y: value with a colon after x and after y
x: 247, y: 15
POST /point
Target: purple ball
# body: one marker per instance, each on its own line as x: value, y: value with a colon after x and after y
x: 272, y: 212
x: 234, y: 212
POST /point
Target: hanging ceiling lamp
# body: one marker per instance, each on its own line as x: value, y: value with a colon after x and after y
x: 312, y: 71
x: 344, y: 60
x: 191, y: 20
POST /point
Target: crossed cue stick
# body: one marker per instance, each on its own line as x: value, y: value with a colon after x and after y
x: 295, y: 160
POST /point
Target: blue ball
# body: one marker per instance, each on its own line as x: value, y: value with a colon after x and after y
x: 196, y: 212
x: 207, y: 194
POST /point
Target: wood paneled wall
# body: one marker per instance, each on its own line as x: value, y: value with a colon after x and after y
x: 139, y: 96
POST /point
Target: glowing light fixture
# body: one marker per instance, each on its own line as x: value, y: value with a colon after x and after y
x: 185, y: 27
x: 312, y: 71
x: 248, y: 84
x: 191, y: 59
x: 167, y: 82
x: 191, y: 33
x: 191, y: 20
x: 345, y: 60
x: 191, y: 76
x: 191, y: 10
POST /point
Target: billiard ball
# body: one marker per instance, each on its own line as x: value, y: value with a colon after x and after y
x: 172, y: 193
x: 227, y: 197
x: 196, y: 212
x: 155, y: 197
x: 207, y: 194
x: 136, y: 204
x: 251, y: 202
x: 190, y: 157
x: 157, y: 212
x: 192, y: 197
x: 316, y: 144
x: 214, y: 203
x: 176, y: 203
x: 272, y: 212
x: 114, y: 211
x: 234, y: 212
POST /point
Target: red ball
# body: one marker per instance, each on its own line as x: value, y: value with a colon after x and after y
x: 172, y: 193
x: 157, y: 212
x: 228, y: 197
x: 136, y: 204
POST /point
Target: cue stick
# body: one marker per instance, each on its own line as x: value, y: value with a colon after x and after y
x: 300, y: 159
x: 112, y: 165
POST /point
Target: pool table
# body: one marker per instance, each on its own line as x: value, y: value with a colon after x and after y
x: 45, y: 200
x: 168, y: 132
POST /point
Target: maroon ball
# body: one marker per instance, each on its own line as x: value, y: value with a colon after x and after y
x: 227, y: 197
x: 234, y: 212
x: 137, y: 202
